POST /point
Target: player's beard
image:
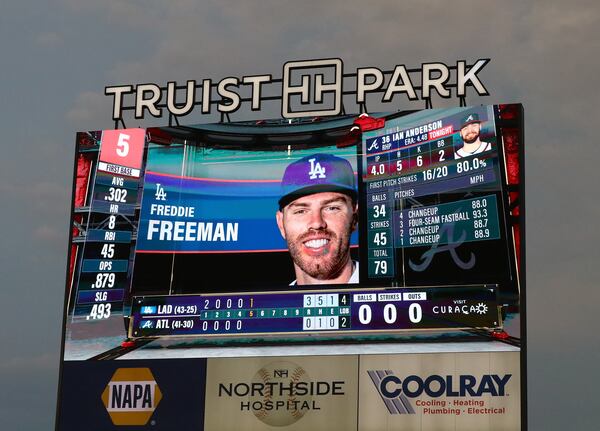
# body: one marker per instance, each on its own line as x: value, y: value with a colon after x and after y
x: 331, y: 262
x: 470, y: 138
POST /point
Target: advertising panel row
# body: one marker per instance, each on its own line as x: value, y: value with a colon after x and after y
x: 448, y: 391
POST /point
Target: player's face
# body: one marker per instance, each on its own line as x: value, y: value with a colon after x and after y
x: 470, y: 133
x: 317, y: 229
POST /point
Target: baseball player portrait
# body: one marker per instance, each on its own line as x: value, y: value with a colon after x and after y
x: 318, y: 211
x: 469, y: 132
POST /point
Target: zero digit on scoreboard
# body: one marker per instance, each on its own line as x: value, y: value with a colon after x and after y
x: 365, y: 314
x: 390, y: 313
x: 415, y: 312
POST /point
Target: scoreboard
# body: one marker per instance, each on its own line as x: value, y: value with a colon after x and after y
x: 178, y: 235
x: 347, y: 272
x: 336, y: 311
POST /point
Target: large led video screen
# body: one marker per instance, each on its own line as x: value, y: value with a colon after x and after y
x: 349, y: 228
x: 355, y: 272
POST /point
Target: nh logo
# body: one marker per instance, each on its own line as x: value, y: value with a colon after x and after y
x: 315, y: 170
x: 280, y: 373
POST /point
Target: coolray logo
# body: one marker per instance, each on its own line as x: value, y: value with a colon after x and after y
x: 395, y: 405
x: 131, y: 396
x: 396, y: 392
x: 281, y: 393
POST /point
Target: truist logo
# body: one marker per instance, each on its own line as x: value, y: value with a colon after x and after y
x: 308, y: 88
x: 396, y: 393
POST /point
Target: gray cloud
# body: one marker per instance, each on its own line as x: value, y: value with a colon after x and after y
x: 49, y: 39
x: 89, y: 107
x: 544, y: 54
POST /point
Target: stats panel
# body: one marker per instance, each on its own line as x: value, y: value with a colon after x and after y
x: 105, y: 268
x: 434, y: 202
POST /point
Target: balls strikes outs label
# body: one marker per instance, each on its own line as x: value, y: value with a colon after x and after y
x: 121, y: 152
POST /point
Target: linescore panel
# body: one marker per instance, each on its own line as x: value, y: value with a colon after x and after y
x: 333, y: 312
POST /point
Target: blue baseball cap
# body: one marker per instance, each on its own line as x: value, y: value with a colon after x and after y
x: 470, y: 119
x: 317, y: 173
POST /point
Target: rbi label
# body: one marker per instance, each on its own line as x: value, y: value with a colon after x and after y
x: 325, y: 79
x: 131, y: 396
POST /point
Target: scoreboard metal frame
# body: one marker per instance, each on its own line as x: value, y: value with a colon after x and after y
x: 389, y: 301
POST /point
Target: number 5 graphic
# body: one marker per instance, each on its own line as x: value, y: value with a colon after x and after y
x: 123, y: 145
x: 123, y: 148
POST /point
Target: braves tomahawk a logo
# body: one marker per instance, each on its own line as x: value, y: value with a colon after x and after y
x: 453, y: 244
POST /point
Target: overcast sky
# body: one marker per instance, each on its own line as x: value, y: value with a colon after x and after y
x: 57, y: 57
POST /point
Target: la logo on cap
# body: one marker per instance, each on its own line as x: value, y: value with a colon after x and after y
x: 316, y: 170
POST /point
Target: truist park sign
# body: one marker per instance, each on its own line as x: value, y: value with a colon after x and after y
x: 307, y: 88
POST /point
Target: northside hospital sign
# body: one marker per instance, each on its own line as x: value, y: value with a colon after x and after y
x: 318, y: 86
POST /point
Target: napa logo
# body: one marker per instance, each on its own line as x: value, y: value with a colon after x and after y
x: 397, y: 393
x: 131, y: 396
